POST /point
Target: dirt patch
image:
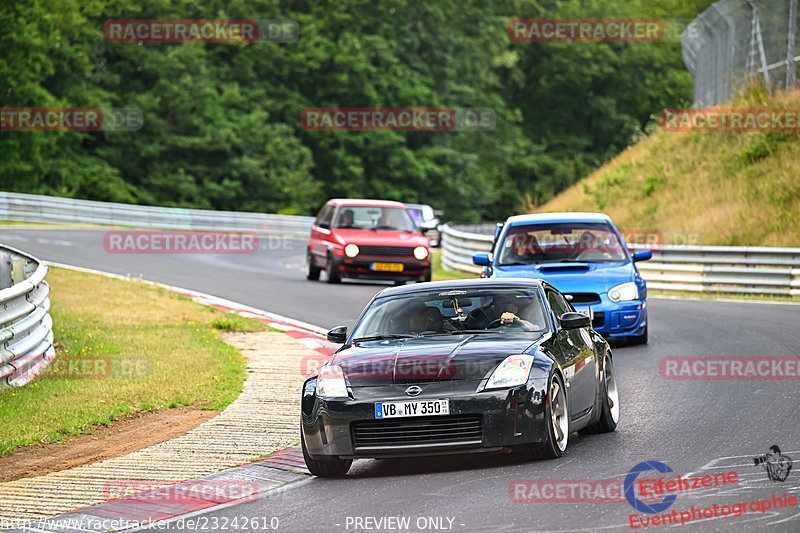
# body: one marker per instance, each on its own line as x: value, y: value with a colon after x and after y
x: 126, y: 434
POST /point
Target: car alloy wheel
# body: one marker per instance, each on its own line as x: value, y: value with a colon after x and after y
x: 612, y: 394
x: 558, y: 414
x: 556, y: 427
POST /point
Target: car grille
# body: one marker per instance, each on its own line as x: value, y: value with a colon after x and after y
x: 387, y: 251
x: 452, y: 429
x: 599, y: 320
x: 584, y: 298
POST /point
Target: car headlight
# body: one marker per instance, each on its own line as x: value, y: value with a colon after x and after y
x: 512, y: 371
x: 626, y: 291
x: 330, y: 382
x: 420, y: 252
x: 351, y: 250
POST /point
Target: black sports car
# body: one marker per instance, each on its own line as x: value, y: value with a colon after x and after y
x: 456, y: 367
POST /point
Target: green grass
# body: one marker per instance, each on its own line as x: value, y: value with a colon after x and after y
x: 440, y: 274
x: 163, y: 349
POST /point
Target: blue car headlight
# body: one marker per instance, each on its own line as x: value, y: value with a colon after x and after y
x: 626, y: 291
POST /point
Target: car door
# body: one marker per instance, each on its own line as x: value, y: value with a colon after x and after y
x: 579, y: 364
x: 320, y: 234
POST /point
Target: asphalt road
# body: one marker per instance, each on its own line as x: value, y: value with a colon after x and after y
x: 696, y: 427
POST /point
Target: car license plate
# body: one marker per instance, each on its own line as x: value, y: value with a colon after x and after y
x: 412, y: 408
x: 387, y: 267
x: 586, y: 311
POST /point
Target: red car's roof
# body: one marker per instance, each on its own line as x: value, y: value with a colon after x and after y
x: 356, y: 201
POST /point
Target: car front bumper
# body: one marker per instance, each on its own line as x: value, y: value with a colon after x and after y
x: 622, y: 319
x: 507, y: 417
x: 362, y: 268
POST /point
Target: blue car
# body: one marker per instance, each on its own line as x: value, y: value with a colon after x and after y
x: 585, y: 257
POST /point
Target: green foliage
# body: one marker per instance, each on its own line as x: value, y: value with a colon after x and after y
x: 222, y: 121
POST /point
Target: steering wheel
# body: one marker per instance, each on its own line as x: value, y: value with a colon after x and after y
x: 517, y: 322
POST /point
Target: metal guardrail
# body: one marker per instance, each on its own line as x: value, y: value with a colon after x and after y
x: 26, y: 329
x: 710, y: 269
x: 36, y: 208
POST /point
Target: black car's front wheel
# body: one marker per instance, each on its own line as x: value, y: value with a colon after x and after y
x: 556, y: 421
x: 329, y: 468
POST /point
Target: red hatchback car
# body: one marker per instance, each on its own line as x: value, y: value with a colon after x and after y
x: 367, y: 239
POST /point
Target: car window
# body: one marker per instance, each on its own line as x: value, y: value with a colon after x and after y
x: 365, y: 217
x: 320, y: 221
x: 448, y: 312
x: 561, y: 242
x: 326, y: 217
x: 558, y: 304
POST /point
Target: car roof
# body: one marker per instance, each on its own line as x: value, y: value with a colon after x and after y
x: 478, y: 283
x: 359, y: 201
x: 558, y: 217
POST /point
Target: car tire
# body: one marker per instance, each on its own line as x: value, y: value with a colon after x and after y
x: 427, y: 277
x: 333, y: 273
x: 557, y: 433
x: 330, y: 468
x: 639, y: 339
x: 312, y: 270
x: 609, y: 411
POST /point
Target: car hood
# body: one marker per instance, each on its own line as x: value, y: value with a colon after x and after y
x: 573, y: 277
x: 424, y: 359
x: 381, y: 238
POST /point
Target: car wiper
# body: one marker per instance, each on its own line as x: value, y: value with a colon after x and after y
x: 471, y: 331
x: 515, y: 263
x: 384, y: 337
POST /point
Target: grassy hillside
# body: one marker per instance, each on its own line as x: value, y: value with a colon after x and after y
x: 736, y: 189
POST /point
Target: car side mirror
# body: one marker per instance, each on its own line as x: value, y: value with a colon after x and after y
x: 642, y: 255
x: 338, y: 334
x: 481, y: 259
x: 574, y: 320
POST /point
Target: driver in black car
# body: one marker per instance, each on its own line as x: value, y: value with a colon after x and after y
x: 501, y: 312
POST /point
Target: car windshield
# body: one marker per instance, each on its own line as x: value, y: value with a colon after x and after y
x: 453, y: 312
x: 374, y: 218
x: 560, y: 243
